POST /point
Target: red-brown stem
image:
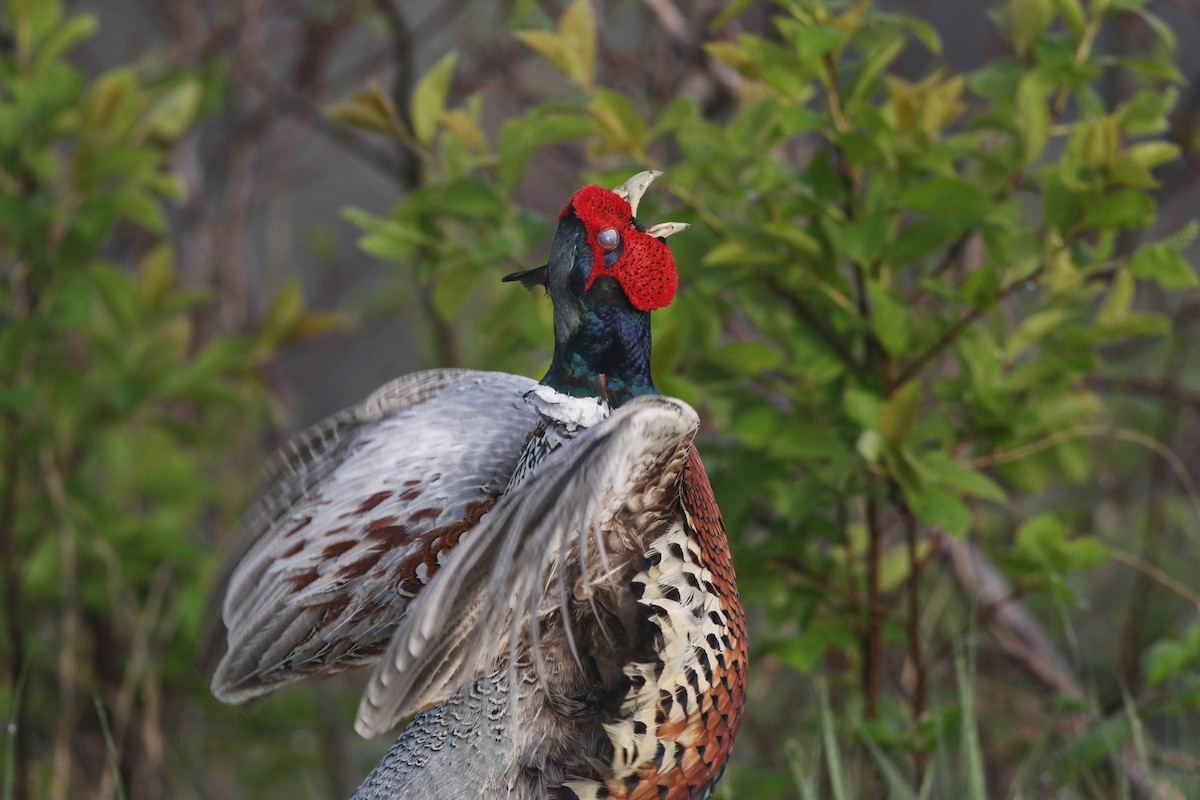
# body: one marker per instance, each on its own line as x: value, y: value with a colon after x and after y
x: 916, y: 653
x: 15, y: 661
x: 872, y: 646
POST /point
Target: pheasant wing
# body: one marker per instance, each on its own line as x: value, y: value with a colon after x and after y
x: 360, y: 511
x: 489, y: 593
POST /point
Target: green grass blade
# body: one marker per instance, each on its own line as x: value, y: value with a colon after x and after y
x: 111, y: 746
x: 897, y: 785
x: 972, y: 754
x: 832, y: 753
x: 802, y: 767
x: 11, y: 733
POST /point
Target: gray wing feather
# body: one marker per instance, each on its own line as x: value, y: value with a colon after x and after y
x: 492, y: 590
x: 359, y: 512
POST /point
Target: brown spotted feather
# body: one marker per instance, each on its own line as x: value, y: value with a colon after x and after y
x: 359, y: 516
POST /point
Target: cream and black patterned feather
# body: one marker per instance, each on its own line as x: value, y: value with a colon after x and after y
x: 538, y: 539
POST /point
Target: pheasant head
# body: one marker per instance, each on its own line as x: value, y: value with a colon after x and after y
x: 605, y: 275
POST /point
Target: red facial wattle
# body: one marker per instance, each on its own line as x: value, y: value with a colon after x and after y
x: 646, y: 268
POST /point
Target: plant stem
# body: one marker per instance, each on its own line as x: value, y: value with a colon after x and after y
x: 809, y: 317
x: 872, y: 646
x: 951, y: 335
x: 15, y: 663
x: 916, y: 653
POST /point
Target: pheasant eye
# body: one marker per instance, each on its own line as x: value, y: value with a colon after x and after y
x: 608, y: 238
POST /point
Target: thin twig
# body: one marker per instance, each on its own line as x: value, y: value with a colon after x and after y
x: 1104, y: 431
x: 1155, y: 574
x: 1166, y: 390
x: 873, y: 634
x: 71, y: 625
x: 916, y: 654
x: 951, y: 335
x: 15, y: 663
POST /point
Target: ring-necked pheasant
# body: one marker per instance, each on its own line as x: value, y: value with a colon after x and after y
x: 540, y: 568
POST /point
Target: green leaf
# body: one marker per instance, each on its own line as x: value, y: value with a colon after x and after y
x: 619, y: 122
x: 452, y: 284
x: 17, y: 399
x: 875, y: 64
x: 741, y: 252
x: 1120, y: 298
x: 371, y: 108
x: 472, y: 198
x: 1061, y: 206
x: 550, y: 46
x: 31, y: 21
x: 429, y: 98
x: 1161, y: 263
x: 578, y: 29
x: 870, y: 446
x: 119, y: 295
x: 1125, y: 209
x: 746, y: 358
x: 1157, y: 24
x: 1170, y: 657
x: 1032, y: 329
x: 1085, y: 552
x: 286, y: 308
x: 952, y: 473
x: 922, y: 238
x: 864, y: 407
x: 890, y: 318
x: 572, y: 48
x: 941, y: 509
x: 735, y: 57
x: 540, y: 127
x: 900, y: 412
x: 1072, y: 14
x: 812, y: 42
x: 1028, y: 20
x: 1096, y: 142
x: 732, y: 9
x: 219, y: 355
x: 1033, y: 116
x: 804, y: 650
x: 863, y: 240
x: 804, y: 442
x: 1043, y: 540
x: 112, y: 104
x: 903, y: 469
x: 1147, y: 112
x: 71, y: 307
x: 1164, y: 660
x: 948, y: 198
x: 156, y: 275
x: 466, y: 129
x: 173, y: 112
x: 1153, y: 154
x: 63, y: 37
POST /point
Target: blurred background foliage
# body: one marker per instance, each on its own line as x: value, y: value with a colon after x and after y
x: 936, y: 310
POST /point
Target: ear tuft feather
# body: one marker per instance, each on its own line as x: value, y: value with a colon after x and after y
x: 529, y: 278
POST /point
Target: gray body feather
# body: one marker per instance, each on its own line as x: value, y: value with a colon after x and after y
x: 358, y: 514
x: 457, y: 749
